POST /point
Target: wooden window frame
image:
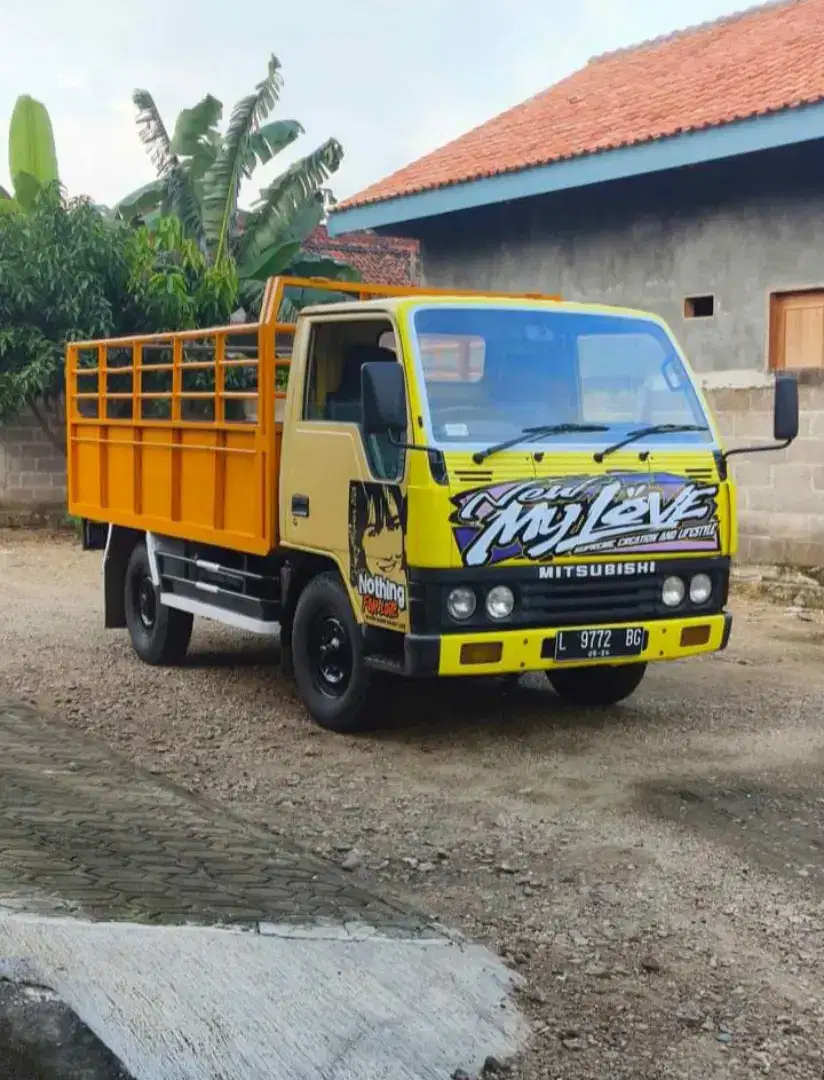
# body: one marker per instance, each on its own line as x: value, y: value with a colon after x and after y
x: 776, y: 307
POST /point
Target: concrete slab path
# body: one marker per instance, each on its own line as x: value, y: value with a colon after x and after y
x: 197, y: 945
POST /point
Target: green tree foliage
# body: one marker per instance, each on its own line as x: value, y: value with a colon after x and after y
x: 67, y: 273
x: 171, y: 284
x: 200, y: 173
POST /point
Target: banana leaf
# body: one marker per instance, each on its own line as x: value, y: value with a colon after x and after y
x: 274, y: 261
x: 179, y: 197
x: 221, y: 184
x: 144, y: 200
x: 291, y: 192
x: 270, y: 139
x: 31, y: 148
x: 198, y: 124
x: 26, y: 190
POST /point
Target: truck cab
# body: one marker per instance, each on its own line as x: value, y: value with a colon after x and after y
x: 466, y: 485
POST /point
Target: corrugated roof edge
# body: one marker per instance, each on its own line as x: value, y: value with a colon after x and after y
x: 544, y: 163
x: 803, y: 122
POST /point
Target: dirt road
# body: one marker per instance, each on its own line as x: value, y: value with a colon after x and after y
x: 655, y: 871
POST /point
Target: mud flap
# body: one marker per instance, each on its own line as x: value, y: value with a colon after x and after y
x: 94, y: 535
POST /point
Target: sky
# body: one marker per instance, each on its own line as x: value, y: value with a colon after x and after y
x: 391, y: 79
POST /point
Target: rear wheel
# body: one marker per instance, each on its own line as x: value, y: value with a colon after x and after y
x: 160, y: 634
x: 327, y: 652
x: 589, y: 686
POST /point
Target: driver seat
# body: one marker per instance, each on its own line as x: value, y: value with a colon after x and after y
x: 344, y: 404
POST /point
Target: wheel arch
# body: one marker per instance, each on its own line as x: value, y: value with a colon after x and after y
x: 301, y: 568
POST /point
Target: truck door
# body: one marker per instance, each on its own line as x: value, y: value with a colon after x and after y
x: 343, y: 495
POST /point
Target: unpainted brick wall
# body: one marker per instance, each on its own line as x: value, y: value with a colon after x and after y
x: 32, y: 472
x: 781, y: 494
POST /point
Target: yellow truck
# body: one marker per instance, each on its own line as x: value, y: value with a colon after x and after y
x: 411, y: 482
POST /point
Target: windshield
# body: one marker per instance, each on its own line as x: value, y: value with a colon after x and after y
x: 491, y: 373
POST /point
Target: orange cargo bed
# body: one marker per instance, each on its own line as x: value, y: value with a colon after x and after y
x: 171, y: 433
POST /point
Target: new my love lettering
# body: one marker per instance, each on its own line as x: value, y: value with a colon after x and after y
x: 625, y: 513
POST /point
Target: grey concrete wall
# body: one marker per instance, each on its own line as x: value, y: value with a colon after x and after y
x: 32, y: 473
x: 780, y: 495
x: 738, y: 229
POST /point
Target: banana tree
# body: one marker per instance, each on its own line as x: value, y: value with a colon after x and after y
x: 200, y: 173
x: 32, y: 155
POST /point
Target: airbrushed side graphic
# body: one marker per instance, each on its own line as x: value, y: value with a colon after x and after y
x: 609, y: 514
x: 377, y: 555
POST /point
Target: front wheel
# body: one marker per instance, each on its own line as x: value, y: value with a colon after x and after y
x: 596, y: 685
x: 327, y: 653
x: 160, y: 634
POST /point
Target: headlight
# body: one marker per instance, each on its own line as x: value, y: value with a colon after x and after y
x: 499, y: 602
x: 673, y: 591
x: 461, y: 603
x: 700, y: 589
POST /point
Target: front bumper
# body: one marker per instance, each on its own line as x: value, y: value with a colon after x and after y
x: 521, y: 650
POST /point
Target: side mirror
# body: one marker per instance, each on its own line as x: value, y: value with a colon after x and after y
x: 785, y: 407
x: 383, y: 398
x: 785, y: 417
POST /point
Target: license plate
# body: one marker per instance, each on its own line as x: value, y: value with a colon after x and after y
x: 599, y: 644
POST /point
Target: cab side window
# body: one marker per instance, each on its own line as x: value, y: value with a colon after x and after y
x: 337, y: 352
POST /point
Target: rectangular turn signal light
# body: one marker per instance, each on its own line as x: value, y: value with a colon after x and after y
x: 695, y: 635
x: 482, y: 652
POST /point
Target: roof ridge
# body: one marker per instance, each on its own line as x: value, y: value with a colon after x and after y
x: 686, y: 31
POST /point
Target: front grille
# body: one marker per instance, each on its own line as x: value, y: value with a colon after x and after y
x: 582, y: 603
x: 553, y: 602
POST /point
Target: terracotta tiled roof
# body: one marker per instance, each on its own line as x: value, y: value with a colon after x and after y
x: 760, y: 61
x: 384, y: 260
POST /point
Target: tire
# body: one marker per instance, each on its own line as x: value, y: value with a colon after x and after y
x: 591, y: 686
x: 327, y: 652
x: 160, y: 635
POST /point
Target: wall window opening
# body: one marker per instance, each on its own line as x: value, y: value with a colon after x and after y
x: 699, y: 307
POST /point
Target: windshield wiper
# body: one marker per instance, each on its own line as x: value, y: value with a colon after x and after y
x: 529, y: 434
x: 653, y: 429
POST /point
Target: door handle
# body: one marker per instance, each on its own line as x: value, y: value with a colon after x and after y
x: 300, y: 506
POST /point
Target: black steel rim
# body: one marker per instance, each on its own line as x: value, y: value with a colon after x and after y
x: 330, y: 656
x: 145, y: 602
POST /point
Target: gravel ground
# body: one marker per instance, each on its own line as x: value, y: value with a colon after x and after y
x: 654, y: 871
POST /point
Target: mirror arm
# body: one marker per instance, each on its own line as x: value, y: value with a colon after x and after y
x: 757, y: 449
x: 437, y: 462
